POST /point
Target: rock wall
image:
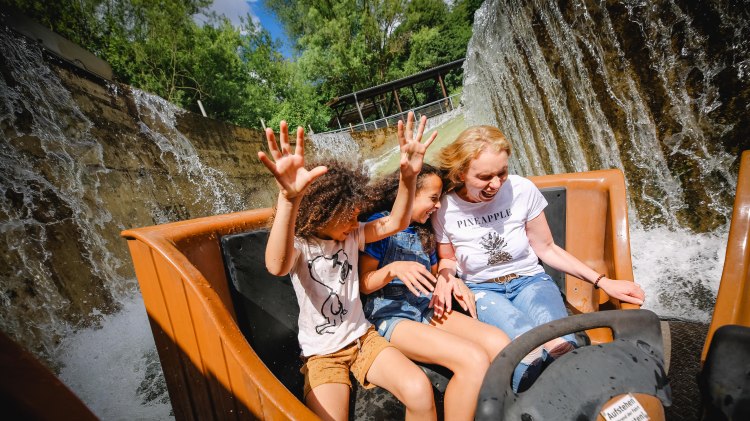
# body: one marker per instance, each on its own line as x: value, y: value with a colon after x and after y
x: 657, y: 89
x: 83, y: 159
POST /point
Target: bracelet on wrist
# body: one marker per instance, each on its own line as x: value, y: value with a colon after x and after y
x: 596, y: 282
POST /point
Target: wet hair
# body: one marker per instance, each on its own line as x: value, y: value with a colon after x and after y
x: 454, y: 159
x: 382, y: 193
x: 332, y: 197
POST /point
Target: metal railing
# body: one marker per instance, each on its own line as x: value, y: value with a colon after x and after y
x: 430, y: 110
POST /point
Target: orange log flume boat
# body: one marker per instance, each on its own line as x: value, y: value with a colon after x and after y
x: 224, y: 328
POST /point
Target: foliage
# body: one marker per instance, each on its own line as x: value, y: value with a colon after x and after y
x: 349, y: 45
x: 238, y: 73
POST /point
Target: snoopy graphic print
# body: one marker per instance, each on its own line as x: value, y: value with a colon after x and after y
x: 326, y: 281
x: 334, y: 270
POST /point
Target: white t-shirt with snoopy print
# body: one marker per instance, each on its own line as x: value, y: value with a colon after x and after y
x: 489, y: 238
x: 325, y: 276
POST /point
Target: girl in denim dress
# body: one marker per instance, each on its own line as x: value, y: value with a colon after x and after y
x: 398, y: 274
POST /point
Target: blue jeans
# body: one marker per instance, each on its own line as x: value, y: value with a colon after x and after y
x: 519, y: 305
x: 394, y: 303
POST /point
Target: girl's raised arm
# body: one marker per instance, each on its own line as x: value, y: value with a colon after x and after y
x: 293, y: 179
x: 412, y: 158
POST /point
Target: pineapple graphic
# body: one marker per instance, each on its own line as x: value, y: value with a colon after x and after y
x: 493, y: 243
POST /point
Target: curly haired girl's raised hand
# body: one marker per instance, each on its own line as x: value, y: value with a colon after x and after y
x: 289, y: 168
x: 412, y: 148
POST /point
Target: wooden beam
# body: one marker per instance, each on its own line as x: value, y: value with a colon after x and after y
x: 442, y: 86
x: 377, y: 107
x: 388, y: 103
x: 398, y: 103
x: 359, y: 110
x: 445, y: 95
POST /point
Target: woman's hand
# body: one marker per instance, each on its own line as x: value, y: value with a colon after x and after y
x: 412, y: 148
x: 289, y: 169
x: 626, y: 291
x: 465, y: 297
x: 414, y: 275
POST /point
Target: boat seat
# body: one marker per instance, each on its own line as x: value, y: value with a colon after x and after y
x: 267, y: 312
x: 724, y: 381
x: 555, y: 212
x: 265, y: 305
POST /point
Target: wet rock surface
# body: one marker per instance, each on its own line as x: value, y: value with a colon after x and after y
x: 657, y: 89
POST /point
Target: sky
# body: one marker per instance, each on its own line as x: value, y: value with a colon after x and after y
x: 235, y: 9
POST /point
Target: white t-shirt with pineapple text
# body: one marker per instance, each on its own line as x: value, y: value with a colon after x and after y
x: 489, y: 238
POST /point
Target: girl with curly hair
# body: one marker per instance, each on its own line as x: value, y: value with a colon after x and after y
x: 315, y: 237
x: 398, y: 274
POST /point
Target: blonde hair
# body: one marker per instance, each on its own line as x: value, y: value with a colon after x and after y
x: 454, y: 159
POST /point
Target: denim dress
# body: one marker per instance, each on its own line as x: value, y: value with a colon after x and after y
x: 394, y: 302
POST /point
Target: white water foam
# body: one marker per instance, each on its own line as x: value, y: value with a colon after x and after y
x: 114, y: 369
x: 338, y: 146
x: 680, y: 271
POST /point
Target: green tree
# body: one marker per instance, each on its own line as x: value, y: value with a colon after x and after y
x: 353, y: 44
x: 344, y: 46
x: 71, y: 19
x: 238, y: 73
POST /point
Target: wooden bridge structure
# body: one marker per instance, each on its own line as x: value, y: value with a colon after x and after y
x: 384, y: 100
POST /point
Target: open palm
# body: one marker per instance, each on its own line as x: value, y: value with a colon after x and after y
x: 289, y: 168
x: 412, y: 148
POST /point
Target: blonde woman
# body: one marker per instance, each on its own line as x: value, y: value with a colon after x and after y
x: 491, y: 232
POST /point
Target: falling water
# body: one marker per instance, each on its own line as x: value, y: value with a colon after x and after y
x: 50, y: 196
x: 656, y: 89
x: 433, y: 123
x: 639, y: 86
x: 71, y: 180
x: 379, y: 161
x: 157, y: 121
x: 337, y: 146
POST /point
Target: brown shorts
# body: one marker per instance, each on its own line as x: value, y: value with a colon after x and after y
x: 358, y: 356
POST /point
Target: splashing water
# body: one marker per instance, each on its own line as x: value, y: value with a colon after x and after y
x: 638, y: 86
x: 680, y: 271
x: 435, y: 122
x: 115, y: 369
x: 54, y: 178
x: 67, y: 292
x: 387, y: 160
x: 337, y: 146
x: 59, y: 182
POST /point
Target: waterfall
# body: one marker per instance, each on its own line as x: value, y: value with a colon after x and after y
x: 158, y: 122
x: 52, y: 213
x: 338, y: 146
x: 656, y: 89
x: 82, y: 160
x: 638, y: 86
